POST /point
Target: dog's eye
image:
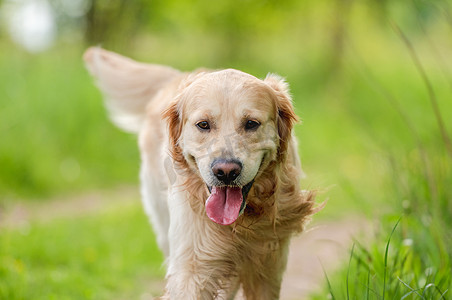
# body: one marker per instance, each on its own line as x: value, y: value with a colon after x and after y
x: 204, y: 125
x: 250, y: 124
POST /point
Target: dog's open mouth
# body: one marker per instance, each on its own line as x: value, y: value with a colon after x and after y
x: 226, y: 203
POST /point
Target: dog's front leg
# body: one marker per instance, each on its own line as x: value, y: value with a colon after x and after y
x: 194, y: 275
x: 200, y: 264
x: 262, y: 275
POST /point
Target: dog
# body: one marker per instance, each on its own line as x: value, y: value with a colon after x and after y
x: 220, y: 172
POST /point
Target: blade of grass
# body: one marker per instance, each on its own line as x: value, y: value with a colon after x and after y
x: 369, y: 289
x: 368, y: 285
x: 440, y: 59
x: 411, y: 290
x: 437, y: 289
x: 348, y: 271
x: 363, y: 249
x: 426, y: 288
x: 408, y: 294
x: 428, y: 84
x: 386, y: 257
x: 395, y: 291
x: 328, y: 282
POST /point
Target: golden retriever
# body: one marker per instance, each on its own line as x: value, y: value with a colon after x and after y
x: 220, y: 172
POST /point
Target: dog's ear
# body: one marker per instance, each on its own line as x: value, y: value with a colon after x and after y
x: 286, y: 117
x: 173, y: 117
x: 127, y: 85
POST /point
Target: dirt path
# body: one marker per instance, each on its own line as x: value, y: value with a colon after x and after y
x: 21, y: 213
x: 324, y: 244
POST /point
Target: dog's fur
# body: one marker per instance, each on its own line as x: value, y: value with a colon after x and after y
x: 206, y: 260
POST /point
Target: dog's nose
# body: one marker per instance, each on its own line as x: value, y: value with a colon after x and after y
x: 226, y: 171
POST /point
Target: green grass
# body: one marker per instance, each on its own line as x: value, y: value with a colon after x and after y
x: 407, y: 173
x: 54, y: 128
x: 413, y: 267
x: 104, y: 255
x: 390, y: 161
x: 411, y: 178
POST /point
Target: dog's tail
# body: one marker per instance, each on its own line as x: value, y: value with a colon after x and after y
x: 126, y: 85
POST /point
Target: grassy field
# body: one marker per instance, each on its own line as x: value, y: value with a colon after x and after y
x: 107, y: 254
x: 370, y: 141
x: 54, y: 127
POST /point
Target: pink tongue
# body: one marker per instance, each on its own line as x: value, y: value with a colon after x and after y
x: 223, y: 204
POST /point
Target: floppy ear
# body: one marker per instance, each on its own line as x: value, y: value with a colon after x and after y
x: 286, y: 116
x: 173, y: 117
x: 127, y: 85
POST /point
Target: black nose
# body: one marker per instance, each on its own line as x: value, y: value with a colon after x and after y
x: 226, y: 171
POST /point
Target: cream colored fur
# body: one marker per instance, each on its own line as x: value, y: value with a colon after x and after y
x: 206, y: 260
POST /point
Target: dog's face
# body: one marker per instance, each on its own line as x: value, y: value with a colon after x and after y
x: 227, y: 126
x: 229, y: 121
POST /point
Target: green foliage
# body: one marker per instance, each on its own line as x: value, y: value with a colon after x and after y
x: 89, y: 257
x: 54, y: 129
x: 413, y: 267
x: 412, y: 175
x: 394, y: 162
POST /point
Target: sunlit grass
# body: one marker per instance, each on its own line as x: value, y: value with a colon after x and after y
x: 403, y: 268
x: 414, y: 261
x: 101, y: 255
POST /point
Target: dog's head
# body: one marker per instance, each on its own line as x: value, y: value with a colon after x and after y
x: 227, y: 127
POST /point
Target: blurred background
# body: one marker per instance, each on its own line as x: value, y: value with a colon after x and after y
x: 371, y: 81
